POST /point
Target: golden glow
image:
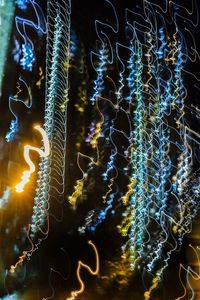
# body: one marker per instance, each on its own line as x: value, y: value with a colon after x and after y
x: 155, y: 281
x: 75, y: 294
x: 43, y: 153
x: 129, y: 192
x: 77, y: 193
x: 97, y: 135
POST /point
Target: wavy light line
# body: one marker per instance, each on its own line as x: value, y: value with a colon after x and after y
x: 43, y: 153
x: 75, y: 294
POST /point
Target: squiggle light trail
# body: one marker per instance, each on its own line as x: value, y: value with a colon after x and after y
x: 28, y: 56
x: 75, y: 294
x: 43, y: 153
x: 14, y: 126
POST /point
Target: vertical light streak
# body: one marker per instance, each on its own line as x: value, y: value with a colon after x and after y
x: 131, y: 76
x: 101, y: 70
x: 52, y: 168
x: 135, y: 213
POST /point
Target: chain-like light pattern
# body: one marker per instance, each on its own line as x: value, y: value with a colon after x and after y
x: 52, y: 168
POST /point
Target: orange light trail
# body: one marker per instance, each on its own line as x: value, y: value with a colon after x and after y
x: 75, y: 294
x: 43, y: 153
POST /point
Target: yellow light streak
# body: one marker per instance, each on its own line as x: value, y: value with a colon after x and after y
x: 24, y: 254
x: 75, y: 294
x: 97, y: 135
x: 43, y: 153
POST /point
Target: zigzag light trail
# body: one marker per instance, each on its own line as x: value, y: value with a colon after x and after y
x: 55, y: 124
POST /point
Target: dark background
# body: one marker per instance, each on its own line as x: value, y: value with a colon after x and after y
x: 52, y: 268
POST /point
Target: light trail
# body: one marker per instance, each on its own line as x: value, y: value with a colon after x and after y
x: 76, y: 293
x: 42, y: 153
